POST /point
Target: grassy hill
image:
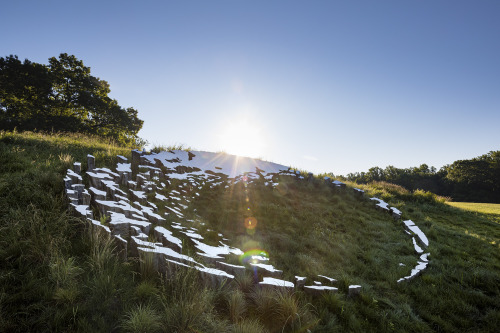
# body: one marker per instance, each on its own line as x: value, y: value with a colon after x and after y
x: 56, y: 275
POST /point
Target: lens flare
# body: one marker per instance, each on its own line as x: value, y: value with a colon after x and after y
x: 254, y: 256
x: 250, y: 222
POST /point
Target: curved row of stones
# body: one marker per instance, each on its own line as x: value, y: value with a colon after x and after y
x: 132, y: 219
x: 419, y: 239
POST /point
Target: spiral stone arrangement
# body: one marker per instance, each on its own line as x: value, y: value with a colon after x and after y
x: 126, y: 198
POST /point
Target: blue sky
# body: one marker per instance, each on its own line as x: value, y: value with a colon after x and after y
x: 325, y: 86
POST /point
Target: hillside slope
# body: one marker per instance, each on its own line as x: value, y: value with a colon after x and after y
x: 57, y: 276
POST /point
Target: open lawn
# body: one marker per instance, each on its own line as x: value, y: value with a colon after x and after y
x: 484, y: 208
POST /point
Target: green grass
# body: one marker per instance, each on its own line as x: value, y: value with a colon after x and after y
x: 55, y: 275
x: 488, y: 209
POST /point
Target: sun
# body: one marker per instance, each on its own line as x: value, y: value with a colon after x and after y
x: 242, y: 137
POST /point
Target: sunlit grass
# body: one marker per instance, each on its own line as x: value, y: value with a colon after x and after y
x: 56, y: 275
x: 486, y: 208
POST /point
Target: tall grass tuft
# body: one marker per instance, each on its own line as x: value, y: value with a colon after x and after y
x: 279, y: 311
x: 236, y: 305
x: 185, y: 303
x: 178, y: 146
x: 248, y: 326
x: 142, y: 319
x: 146, y: 291
x: 147, y: 267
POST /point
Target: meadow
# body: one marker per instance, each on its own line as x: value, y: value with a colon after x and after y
x: 487, y: 209
x: 56, y: 275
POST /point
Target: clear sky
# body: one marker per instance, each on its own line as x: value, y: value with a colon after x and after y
x: 325, y: 86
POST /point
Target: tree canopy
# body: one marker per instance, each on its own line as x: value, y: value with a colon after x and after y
x: 476, y: 180
x: 62, y: 96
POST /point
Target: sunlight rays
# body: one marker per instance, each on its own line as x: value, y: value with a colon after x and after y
x: 242, y: 137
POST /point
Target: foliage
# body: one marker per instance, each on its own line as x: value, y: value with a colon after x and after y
x: 142, y: 319
x: 63, y: 97
x: 477, y: 179
x: 159, y: 148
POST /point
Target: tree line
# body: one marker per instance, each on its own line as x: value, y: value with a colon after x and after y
x: 473, y: 180
x: 62, y: 96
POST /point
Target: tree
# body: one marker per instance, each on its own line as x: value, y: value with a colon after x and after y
x: 62, y: 96
x: 475, y: 180
x: 24, y: 93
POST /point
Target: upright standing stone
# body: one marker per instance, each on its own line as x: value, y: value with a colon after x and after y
x: 86, y: 198
x: 122, y: 159
x: 359, y: 192
x: 140, y: 180
x: 125, y: 178
x: 144, y: 160
x: 79, y: 188
x: 90, y: 162
x: 77, y: 167
x: 136, y: 160
x: 354, y: 290
x: 300, y: 282
x: 67, y: 182
x: 310, y: 177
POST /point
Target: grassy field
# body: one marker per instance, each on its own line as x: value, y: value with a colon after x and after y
x: 57, y: 276
x: 491, y: 210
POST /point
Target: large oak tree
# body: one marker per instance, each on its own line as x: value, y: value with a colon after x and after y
x: 62, y: 96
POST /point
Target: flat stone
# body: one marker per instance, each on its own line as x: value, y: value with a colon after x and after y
x: 396, y: 213
x: 359, y: 192
x: 98, y: 228
x: 276, y: 284
x: 168, y: 239
x: 209, y: 259
x: 300, y: 282
x: 213, y: 277
x: 265, y: 270
x: 354, y: 290
x: 75, y: 178
x: 121, y: 159
x: 382, y: 205
x: 80, y: 210
x: 319, y: 290
x: 328, y: 279
x: 120, y: 224
x: 415, y: 271
x: 423, y: 238
x: 235, y: 270
x: 97, y: 194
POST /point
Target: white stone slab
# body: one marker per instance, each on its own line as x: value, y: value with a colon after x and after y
x: 420, y: 234
x: 276, y: 282
x: 418, y: 249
